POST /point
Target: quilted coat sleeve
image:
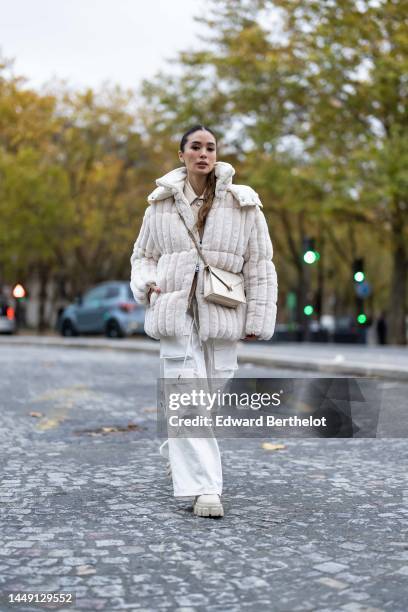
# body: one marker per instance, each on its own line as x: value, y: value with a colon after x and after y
x: 143, y: 261
x: 260, y: 281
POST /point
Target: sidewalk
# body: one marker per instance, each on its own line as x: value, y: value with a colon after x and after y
x: 389, y: 362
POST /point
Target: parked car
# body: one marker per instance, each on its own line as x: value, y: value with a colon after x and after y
x: 8, y: 322
x: 108, y: 308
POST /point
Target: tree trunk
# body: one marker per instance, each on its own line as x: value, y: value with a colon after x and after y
x: 398, y: 291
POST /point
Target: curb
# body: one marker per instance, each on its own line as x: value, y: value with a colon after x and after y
x: 331, y: 367
x: 350, y: 368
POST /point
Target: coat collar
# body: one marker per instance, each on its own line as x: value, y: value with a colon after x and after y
x: 173, y: 182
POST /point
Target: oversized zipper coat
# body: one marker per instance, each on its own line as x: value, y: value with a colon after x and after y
x: 236, y: 239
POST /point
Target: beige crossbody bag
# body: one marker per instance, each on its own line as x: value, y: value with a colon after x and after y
x: 220, y: 286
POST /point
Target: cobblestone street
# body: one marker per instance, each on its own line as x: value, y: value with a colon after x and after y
x: 319, y: 525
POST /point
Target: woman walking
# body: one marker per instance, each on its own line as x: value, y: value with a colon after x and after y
x: 197, y: 218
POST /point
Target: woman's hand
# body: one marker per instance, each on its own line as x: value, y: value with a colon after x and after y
x: 152, y: 288
x: 251, y: 337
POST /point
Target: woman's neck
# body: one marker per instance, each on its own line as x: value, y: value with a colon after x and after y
x: 198, y: 182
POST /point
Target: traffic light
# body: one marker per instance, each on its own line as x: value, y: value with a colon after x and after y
x: 308, y: 310
x: 361, y: 318
x: 358, y: 270
x: 310, y: 255
x: 19, y: 292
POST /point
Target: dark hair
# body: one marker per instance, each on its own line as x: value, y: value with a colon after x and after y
x: 195, y: 128
x: 209, y: 192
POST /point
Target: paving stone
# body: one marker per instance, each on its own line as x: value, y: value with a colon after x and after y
x: 110, y: 543
x: 331, y: 567
x: 332, y: 583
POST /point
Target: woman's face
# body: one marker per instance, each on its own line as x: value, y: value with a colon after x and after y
x: 199, y: 153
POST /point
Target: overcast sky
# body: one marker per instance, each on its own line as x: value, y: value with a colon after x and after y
x: 91, y: 41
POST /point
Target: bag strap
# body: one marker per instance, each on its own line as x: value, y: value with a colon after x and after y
x: 193, y: 238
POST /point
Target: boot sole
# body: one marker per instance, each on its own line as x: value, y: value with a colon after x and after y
x: 208, y: 511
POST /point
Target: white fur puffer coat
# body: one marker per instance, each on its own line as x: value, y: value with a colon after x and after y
x: 236, y: 239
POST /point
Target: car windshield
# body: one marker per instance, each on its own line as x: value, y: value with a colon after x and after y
x: 97, y: 293
x: 112, y: 292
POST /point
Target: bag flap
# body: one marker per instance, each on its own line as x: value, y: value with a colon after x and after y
x: 232, y: 278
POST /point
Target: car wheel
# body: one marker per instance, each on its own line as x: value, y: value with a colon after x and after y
x: 113, y: 329
x: 68, y: 330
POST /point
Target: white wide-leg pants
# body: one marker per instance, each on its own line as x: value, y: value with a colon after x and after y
x: 195, y: 462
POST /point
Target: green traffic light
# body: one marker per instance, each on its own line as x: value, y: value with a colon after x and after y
x: 308, y: 310
x: 359, y: 277
x: 361, y: 318
x: 309, y: 257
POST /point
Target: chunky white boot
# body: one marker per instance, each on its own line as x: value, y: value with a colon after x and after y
x: 208, y: 505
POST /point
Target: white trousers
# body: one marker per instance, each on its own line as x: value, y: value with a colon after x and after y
x: 195, y: 462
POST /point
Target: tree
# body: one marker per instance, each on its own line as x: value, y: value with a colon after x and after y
x: 33, y: 188
x: 356, y: 70
x: 74, y: 176
x: 108, y: 167
x: 312, y: 97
